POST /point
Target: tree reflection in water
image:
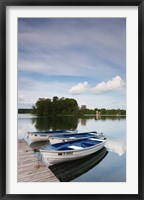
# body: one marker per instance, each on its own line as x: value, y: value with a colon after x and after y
x: 55, y: 123
x: 66, y: 122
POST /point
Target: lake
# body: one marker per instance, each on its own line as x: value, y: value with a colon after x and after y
x: 107, y: 165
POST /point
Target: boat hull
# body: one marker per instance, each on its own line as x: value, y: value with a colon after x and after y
x: 51, y: 158
x: 54, y: 140
x: 37, y: 138
x: 34, y: 137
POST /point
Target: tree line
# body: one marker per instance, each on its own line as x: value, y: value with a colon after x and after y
x: 66, y: 106
x: 102, y: 111
x: 55, y: 106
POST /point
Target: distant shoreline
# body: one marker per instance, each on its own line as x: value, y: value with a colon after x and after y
x: 88, y: 115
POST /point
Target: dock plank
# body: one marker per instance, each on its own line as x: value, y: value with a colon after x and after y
x: 30, y: 167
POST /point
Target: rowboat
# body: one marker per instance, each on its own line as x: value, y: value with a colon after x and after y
x: 71, y: 150
x: 68, y: 171
x: 44, y: 136
x: 70, y: 136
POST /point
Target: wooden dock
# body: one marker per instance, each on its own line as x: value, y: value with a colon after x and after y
x: 30, y: 167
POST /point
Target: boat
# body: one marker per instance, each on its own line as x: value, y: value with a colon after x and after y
x: 68, y: 171
x: 44, y: 136
x: 71, y: 136
x: 71, y: 150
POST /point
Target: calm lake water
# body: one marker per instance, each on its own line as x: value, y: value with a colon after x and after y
x: 107, y: 165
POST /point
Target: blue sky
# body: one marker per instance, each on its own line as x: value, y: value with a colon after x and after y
x: 80, y: 58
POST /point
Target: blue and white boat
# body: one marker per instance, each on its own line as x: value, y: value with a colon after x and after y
x: 71, y: 136
x: 44, y: 136
x: 72, y: 150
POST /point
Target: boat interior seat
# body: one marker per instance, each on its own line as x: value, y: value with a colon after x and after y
x: 65, y: 148
x: 86, y: 144
x: 76, y: 147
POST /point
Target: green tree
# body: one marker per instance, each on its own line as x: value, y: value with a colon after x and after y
x: 40, y: 106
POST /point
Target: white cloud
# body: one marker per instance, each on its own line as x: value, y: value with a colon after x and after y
x: 30, y: 90
x: 112, y: 85
x: 23, y: 100
x: 79, y: 88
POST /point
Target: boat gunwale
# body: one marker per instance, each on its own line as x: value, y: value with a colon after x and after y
x: 50, y: 133
x: 93, y: 134
x: 72, y: 150
x: 73, y: 138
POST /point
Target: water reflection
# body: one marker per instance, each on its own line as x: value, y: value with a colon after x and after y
x: 83, y: 121
x: 117, y: 146
x: 55, y: 123
x: 105, y: 117
x: 68, y: 171
x: 67, y: 122
x: 111, y: 169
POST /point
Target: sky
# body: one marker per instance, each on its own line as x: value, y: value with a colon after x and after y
x: 80, y: 58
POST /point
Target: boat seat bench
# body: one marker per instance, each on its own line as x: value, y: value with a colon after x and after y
x: 84, y: 144
x: 65, y: 148
x: 75, y: 147
x: 71, y: 148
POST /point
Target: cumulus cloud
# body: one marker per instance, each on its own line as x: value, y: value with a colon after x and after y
x: 112, y: 85
x: 115, y: 84
x: 79, y: 88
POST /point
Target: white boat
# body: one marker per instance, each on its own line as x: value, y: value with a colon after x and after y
x: 70, y: 136
x: 44, y: 136
x: 72, y: 150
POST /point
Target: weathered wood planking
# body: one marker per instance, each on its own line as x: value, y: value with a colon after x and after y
x: 30, y: 167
